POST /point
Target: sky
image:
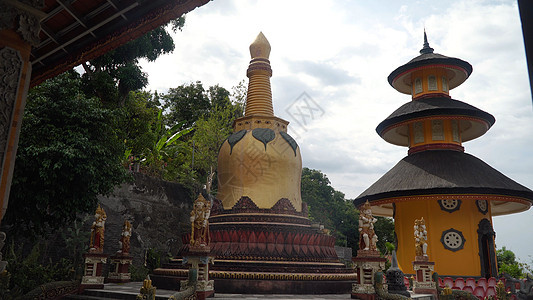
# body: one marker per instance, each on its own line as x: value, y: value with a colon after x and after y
x: 335, y: 56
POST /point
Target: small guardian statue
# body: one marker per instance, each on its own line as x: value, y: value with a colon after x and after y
x: 421, y: 238
x: 199, y: 223
x: 97, y: 231
x: 367, y: 236
x: 125, y: 238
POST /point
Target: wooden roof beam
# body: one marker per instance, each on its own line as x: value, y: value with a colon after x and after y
x: 74, y: 14
x: 91, y: 29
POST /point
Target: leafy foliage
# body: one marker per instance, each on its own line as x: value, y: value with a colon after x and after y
x: 68, y: 155
x: 384, y: 229
x: 507, y: 263
x: 186, y: 103
x: 329, y: 207
x: 209, y: 133
x: 137, y: 120
x: 113, y: 75
x: 211, y: 114
x: 26, y: 271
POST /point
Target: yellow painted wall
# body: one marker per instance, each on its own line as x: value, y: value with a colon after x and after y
x: 423, y: 74
x: 428, y: 136
x: 464, y: 262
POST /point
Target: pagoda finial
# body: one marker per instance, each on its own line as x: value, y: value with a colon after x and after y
x: 426, y: 49
x: 260, y: 48
x: 259, y: 97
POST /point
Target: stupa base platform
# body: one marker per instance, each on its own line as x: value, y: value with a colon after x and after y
x: 270, y: 251
x: 264, y: 277
x: 244, y: 282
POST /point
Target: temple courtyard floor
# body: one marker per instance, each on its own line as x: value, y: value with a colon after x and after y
x: 131, y: 289
x: 127, y: 290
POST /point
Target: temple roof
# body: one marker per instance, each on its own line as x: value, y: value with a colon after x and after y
x: 73, y: 32
x: 457, y: 70
x: 437, y: 106
x: 446, y: 172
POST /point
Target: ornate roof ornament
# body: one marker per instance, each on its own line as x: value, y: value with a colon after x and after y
x: 426, y: 48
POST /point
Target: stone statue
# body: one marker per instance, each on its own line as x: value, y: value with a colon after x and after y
x: 97, y: 231
x: 421, y: 238
x: 125, y: 238
x: 367, y: 236
x: 199, y: 222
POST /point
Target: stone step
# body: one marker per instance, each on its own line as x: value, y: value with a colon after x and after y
x: 93, y: 294
x: 85, y: 297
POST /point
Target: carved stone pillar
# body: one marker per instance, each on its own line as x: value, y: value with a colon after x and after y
x: 19, y: 30
x: 366, y: 266
x: 204, y: 286
x: 424, y: 284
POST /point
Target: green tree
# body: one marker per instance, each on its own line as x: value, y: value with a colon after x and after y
x: 68, y: 155
x: 186, y: 103
x: 384, y: 229
x: 155, y: 158
x: 507, y: 263
x: 329, y: 207
x: 209, y: 133
x: 113, y: 75
x: 136, y: 121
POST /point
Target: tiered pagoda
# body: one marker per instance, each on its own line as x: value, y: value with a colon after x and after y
x: 457, y: 193
x: 261, y: 237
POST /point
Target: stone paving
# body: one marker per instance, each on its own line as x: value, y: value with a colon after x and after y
x: 112, y: 290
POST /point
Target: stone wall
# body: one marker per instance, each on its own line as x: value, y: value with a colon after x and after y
x: 158, y: 211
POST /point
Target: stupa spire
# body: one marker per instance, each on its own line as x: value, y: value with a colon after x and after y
x: 259, y: 97
x: 426, y: 48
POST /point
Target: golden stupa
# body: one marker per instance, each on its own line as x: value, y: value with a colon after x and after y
x: 259, y: 160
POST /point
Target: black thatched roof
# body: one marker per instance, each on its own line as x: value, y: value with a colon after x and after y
x: 439, y: 106
x: 430, y: 59
x: 442, y: 172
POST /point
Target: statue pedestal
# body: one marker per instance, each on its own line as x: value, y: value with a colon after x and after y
x: 423, y: 283
x: 198, y: 258
x: 366, y: 264
x: 94, y: 266
x: 120, y: 272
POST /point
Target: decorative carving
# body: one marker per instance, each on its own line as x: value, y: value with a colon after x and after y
x: 452, y: 239
x: 264, y: 135
x: 289, y: 140
x: 395, y: 278
x: 367, y: 236
x: 432, y: 83
x: 455, y: 130
x: 23, y: 16
x: 418, y: 85
x: 450, y: 205
x: 125, y: 238
x: 97, y: 231
x: 199, y: 222
x: 486, y: 237
x: 244, y: 203
x: 482, y: 206
x: 437, y: 130
x: 284, y: 205
x: 216, y: 207
x: 235, y: 138
x: 10, y: 70
x: 421, y: 238
x: 418, y: 129
x: 3, y: 263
